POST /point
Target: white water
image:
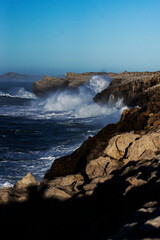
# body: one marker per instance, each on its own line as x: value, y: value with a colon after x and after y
x: 81, y: 104
x: 18, y: 93
x: 65, y: 119
x: 66, y: 103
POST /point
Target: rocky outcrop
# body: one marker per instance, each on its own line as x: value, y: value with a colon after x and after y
x: 141, y: 118
x: 136, y: 88
x: 72, y: 81
x: 116, y: 196
x: 109, y: 188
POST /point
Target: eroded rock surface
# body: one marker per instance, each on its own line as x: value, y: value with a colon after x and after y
x: 72, y: 81
x: 109, y: 188
x: 137, y: 119
x: 136, y: 88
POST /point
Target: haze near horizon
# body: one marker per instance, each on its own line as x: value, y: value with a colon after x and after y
x: 55, y: 36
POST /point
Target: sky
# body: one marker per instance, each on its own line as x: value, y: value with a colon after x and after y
x: 57, y: 36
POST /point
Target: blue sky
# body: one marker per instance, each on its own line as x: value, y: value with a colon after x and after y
x: 56, y: 36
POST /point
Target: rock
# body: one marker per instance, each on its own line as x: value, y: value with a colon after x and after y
x: 53, y: 192
x: 154, y: 222
x: 72, y: 81
x: 118, y: 145
x: 149, y: 143
x: 136, y: 88
x: 96, y: 168
x: 49, y: 84
x: 26, y: 182
x: 4, y: 195
x: 69, y: 182
x: 132, y: 120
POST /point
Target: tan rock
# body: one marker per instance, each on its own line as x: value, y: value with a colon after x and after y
x: 96, y: 168
x: 155, y: 222
x: 56, y: 193
x: 149, y: 142
x: 26, y: 181
x: 4, y: 196
x: 70, y: 180
x: 117, y: 145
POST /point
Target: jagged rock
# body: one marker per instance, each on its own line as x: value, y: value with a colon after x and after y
x: 53, y: 192
x: 107, y: 189
x: 136, y: 88
x: 154, y: 222
x: 69, y: 183
x: 149, y: 143
x: 118, y: 145
x: 26, y: 181
x: 4, y: 195
x: 137, y: 119
x: 96, y: 168
x: 72, y: 81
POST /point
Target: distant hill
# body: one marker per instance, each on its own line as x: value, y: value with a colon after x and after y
x: 12, y: 76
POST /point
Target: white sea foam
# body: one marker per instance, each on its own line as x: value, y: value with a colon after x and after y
x: 6, y: 184
x: 18, y: 93
x: 81, y: 104
x: 66, y: 103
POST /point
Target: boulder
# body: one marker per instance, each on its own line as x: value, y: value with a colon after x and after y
x: 118, y: 145
x: 26, y: 182
x: 149, y: 143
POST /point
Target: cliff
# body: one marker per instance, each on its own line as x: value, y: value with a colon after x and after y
x: 136, y: 88
x: 112, y: 193
x: 109, y: 188
x: 72, y: 80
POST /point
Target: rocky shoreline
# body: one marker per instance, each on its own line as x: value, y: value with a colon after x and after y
x: 109, y: 188
x: 71, y: 81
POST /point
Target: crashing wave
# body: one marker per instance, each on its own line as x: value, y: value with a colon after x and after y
x: 20, y: 93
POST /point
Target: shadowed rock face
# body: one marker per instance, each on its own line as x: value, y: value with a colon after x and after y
x: 72, y: 81
x: 136, y: 88
x: 116, y: 196
x: 131, y: 120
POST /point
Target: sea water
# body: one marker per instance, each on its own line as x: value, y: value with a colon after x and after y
x: 35, y: 131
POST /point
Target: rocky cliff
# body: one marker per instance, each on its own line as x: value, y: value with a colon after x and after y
x: 136, y: 88
x: 72, y: 80
x: 109, y: 188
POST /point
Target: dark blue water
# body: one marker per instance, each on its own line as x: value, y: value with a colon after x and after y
x: 33, y: 131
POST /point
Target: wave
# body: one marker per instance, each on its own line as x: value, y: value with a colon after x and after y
x: 64, y: 104
x: 18, y: 93
x: 81, y: 104
x: 6, y: 184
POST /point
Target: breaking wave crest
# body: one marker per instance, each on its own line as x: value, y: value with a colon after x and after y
x: 18, y: 93
x: 62, y: 104
x: 80, y: 104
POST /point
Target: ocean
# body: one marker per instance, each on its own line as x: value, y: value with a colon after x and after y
x: 35, y: 131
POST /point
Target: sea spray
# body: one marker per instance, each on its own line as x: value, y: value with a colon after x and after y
x: 35, y: 131
x: 80, y: 104
x: 18, y: 93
